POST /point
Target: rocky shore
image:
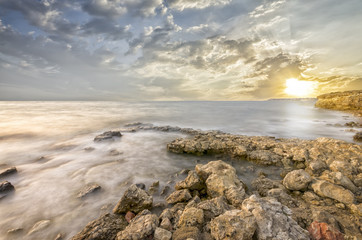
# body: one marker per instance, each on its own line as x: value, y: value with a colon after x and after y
x: 344, y: 101
x: 317, y: 197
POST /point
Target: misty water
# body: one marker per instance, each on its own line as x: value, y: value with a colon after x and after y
x: 51, y: 145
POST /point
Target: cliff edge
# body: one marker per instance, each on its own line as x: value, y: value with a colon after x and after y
x: 344, y: 101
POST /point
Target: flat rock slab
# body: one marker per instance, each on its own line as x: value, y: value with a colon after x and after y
x: 88, y: 189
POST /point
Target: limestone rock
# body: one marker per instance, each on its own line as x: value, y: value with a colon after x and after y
x: 273, y: 219
x: 8, y: 171
x: 322, y: 231
x: 348, y: 100
x: 234, y: 224
x: 264, y: 157
x: 214, y: 207
x: 263, y: 185
x: 192, y: 182
x: 179, y: 196
x: 327, y: 189
x: 214, y: 167
x: 340, y: 179
x: 297, y: 180
x: 191, y: 217
x: 185, y: 233
x: 39, y: 226
x: 104, y: 228
x: 107, y: 136
x: 88, y: 189
x: 135, y: 200
x: 162, y: 234
x: 141, y: 227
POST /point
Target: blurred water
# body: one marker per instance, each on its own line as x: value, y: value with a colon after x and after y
x: 46, y: 142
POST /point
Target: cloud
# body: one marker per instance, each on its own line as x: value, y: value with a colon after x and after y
x: 112, y: 31
x: 181, y: 5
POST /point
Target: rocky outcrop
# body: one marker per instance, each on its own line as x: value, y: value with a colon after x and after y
x: 327, y: 189
x: 345, y: 101
x: 134, y: 200
x: 179, y: 196
x: 107, y: 136
x: 104, y: 228
x: 8, y: 171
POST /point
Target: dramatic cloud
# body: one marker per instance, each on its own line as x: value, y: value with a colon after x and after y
x: 176, y: 49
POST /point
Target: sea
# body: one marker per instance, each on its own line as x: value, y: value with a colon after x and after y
x: 51, y: 145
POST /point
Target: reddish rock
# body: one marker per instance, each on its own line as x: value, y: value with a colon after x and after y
x: 322, y: 231
x: 129, y: 216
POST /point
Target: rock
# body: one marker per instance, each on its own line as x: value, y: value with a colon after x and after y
x: 8, y: 171
x: 192, y: 182
x: 107, y: 136
x: 326, y: 189
x: 185, y: 233
x: 356, y: 209
x: 214, y: 207
x: 273, y: 219
x: 134, y: 199
x: 166, y: 224
x: 345, y: 101
x: 297, y: 180
x: 179, y: 196
x: 141, y: 186
x: 104, y: 228
x: 322, y: 231
x: 340, y: 179
x: 153, y: 189
x: 162, y: 234
x: 358, y: 137
x: 214, y: 167
x: 41, y: 225
x: 15, y: 231
x: 6, y: 187
x: 264, y: 157
x: 191, y: 217
x: 88, y: 189
x: 129, y: 216
x: 59, y: 237
x: 263, y: 185
x: 317, y: 166
x: 165, y: 190
x: 141, y: 227
x: 234, y: 224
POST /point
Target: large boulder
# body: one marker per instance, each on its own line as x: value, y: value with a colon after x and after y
x: 234, y: 224
x: 162, y: 234
x: 104, y: 228
x: 330, y: 190
x: 191, y: 217
x: 185, y: 233
x: 135, y: 200
x: 297, y: 180
x: 142, y: 226
x: 192, y: 182
x: 273, y: 220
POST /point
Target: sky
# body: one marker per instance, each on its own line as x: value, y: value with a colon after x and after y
x: 178, y: 50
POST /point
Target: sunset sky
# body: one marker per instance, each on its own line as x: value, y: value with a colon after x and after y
x: 178, y: 49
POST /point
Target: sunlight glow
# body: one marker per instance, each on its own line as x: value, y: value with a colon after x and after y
x: 295, y: 87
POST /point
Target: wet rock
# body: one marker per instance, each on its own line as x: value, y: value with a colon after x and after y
x: 340, y: 179
x: 192, y: 182
x: 162, y: 234
x: 165, y: 190
x: 41, y: 225
x: 273, y: 219
x: 104, y: 228
x: 8, y: 171
x: 214, y: 207
x: 185, y: 233
x: 322, y: 231
x: 141, y: 186
x: 6, y: 187
x: 15, y: 231
x: 179, y: 196
x: 141, y: 227
x: 191, y: 217
x: 88, y: 189
x: 297, y: 180
x: 129, y: 216
x: 59, y: 237
x: 114, y: 152
x: 327, y: 189
x: 234, y: 224
x: 107, y: 136
x: 153, y: 189
x: 134, y: 199
x: 358, y: 137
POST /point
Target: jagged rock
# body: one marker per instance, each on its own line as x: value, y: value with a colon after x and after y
x: 234, y: 224
x: 322, y: 231
x: 179, y: 196
x: 153, y: 189
x: 88, y: 189
x: 39, y: 226
x: 327, y: 189
x: 8, y: 171
x: 166, y: 224
x: 135, y: 200
x: 297, y: 180
x: 107, y: 136
x: 263, y: 185
x: 185, y: 233
x: 356, y: 209
x: 191, y: 217
x: 273, y: 219
x: 214, y: 207
x: 340, y: 179
x: 282, y: 197
x: 317, y: 166
x: 6, y: 187
x: 104, y: 228
x: 162, y: 234
x: 141, y: 227
x: 192, y: 182
x: 264, y: 157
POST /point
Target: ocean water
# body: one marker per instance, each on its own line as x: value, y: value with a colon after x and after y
x: 47, y: 142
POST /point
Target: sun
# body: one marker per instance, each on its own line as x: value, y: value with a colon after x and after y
x: 295, y: 87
